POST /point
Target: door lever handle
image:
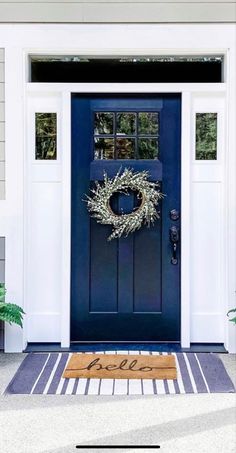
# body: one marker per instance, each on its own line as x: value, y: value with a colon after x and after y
x: 174, y: 238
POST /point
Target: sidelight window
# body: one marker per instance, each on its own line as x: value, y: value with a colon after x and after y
x: 45, y: 136
x: 206, y: 136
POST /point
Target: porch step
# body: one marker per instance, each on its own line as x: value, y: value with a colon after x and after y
x: 159, y: 347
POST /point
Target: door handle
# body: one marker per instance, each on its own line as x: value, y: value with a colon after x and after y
x: 174, y: 239
x: 174, y: 214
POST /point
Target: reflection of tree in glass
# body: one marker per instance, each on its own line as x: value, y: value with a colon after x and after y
x: 126, y: 123
x: 206, y: 136
x: 125, y: 148
x: 125, y: 127
x: 147, y: 123
x: 104, y: 148
x: 103, y: 123
x: 148, y: 148
x: 46, y: 131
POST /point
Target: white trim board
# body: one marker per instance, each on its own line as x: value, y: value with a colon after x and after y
x: 135, y: 39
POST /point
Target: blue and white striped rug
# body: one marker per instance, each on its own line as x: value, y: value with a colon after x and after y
x: 41, y: 373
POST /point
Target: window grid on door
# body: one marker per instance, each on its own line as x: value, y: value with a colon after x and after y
x: 126, y: 135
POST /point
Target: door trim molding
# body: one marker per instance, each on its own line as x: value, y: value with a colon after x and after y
x: 185, y: 218
x: 188, y: 96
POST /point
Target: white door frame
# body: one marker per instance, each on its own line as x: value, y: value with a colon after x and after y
x: 139, y: 39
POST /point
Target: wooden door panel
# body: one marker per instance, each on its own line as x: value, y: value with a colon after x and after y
x: 126, y: 289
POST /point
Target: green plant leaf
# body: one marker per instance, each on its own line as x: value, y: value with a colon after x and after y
x: 233, y: 320
x: 11, y: 313
x: 2, y: 292
x: 233, y: 310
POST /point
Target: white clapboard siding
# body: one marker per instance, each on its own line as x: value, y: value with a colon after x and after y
x: 2, y: 130
x: 2, y: 258
x: 114, y: 11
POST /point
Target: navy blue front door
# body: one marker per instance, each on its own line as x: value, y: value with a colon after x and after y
x: 126, y: 289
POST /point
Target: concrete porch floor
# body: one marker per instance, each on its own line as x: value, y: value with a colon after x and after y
x: 56, y: 424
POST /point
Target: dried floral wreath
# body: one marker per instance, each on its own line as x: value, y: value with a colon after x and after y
x: 123, y: 224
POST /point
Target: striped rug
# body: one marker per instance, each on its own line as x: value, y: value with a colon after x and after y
x: 41, y: 373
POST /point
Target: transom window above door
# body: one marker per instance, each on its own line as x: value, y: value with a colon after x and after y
x: 126, y: 135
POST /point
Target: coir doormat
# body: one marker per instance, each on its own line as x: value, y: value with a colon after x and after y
x: 42, y: 373
x: 114, y: 366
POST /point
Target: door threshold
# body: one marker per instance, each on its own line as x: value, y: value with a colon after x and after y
x: 92, y: 347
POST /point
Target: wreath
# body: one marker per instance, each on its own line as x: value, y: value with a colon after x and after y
x: 123, y: 224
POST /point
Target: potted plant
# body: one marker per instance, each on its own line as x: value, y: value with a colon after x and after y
x: 233, y: 310
x: 10, y: 313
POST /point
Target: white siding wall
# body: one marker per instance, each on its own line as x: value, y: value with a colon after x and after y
x: 2, y: 128
x: 2, y: 260
x: 61, y: 11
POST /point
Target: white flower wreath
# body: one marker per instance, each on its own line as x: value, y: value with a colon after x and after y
x: 124, y: 224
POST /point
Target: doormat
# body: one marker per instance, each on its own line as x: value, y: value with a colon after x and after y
x: 42, y: 373
x: 114, y: 366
